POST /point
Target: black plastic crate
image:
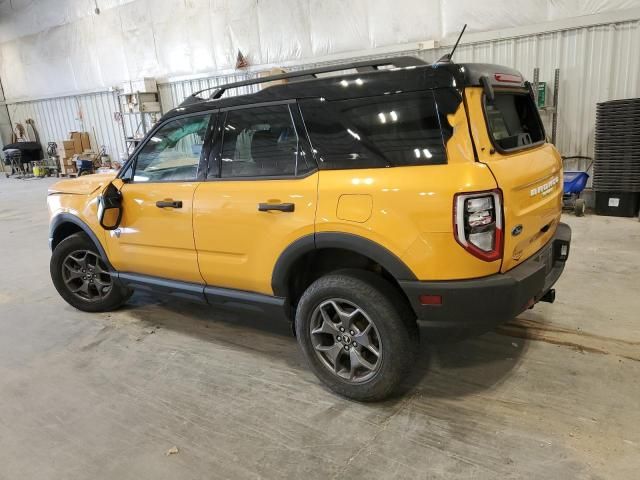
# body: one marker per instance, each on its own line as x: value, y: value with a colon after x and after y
x: 617, y: 204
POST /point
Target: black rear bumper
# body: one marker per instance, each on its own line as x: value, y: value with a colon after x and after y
x: 472, y: 307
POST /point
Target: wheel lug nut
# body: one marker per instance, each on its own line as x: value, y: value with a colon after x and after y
x: 352, y: 332
x: 346, y: 347
x: 342, y: 329
x: 339, y: 338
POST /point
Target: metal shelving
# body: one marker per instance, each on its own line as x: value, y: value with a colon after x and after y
x: 143, y: 109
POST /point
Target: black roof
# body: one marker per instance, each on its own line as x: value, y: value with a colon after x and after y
x: 374, y: 77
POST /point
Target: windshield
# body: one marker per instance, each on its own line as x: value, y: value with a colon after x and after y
x: 513, y: 121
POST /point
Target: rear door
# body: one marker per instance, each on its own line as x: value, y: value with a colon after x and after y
x: 509, y: 138
x: 259, y: 197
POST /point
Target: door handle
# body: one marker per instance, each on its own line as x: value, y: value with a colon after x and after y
x: 169, y: 204
x: 281, y: 207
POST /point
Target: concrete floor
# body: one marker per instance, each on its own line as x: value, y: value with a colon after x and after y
x: 555, y: 394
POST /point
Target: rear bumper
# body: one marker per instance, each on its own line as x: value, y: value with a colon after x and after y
x: 472, y: 307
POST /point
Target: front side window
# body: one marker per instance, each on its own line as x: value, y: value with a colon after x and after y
x: 260, y: 142
x: 513, y: 121
x: 370, y: 132
x: 172, y: 153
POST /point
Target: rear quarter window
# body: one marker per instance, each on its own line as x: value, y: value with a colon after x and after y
x: 513, y: 121
x: 371, y: 132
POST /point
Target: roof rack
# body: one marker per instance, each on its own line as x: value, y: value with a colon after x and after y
x: 362, y: 66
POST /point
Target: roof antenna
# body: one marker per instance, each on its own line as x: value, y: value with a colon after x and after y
x: 446, y: 58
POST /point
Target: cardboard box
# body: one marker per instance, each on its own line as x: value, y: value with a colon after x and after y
x: 77, y: 141
x: 270, y: 73
x: 68, y: 145
x: 144, y: 85
x: 147, y: 84
x: 150, y: 107
x: 67, y: 168
x: 85, y: 141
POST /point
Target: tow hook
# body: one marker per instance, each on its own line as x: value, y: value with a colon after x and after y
x: 549, y: 297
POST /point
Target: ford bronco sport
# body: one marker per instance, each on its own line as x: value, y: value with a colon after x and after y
x: 358, y: 201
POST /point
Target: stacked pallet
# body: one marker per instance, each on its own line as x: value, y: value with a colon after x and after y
x: 616, y: 179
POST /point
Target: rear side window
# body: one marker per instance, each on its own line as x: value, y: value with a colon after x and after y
x: 513, y: 121
x: 261, y: 142
x: 381, y: 131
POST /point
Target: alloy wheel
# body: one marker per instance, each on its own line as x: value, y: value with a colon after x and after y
x: 346, y: 340
x: 86, y: 276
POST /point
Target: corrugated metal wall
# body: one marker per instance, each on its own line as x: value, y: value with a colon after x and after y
x: 596, y: 64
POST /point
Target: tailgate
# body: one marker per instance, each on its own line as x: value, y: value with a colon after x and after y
x: 531, y: 186
x: 510, y: 140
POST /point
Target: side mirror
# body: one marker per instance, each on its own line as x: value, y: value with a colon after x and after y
x: 110, y: 208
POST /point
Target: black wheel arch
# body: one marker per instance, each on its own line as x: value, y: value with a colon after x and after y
x: 335, y: 240
x: 66, y: 224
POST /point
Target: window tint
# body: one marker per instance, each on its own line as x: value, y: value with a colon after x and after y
x: 513, y: 121
x: 173, y: 152
x: 258, y: 142
x: 382, y: 131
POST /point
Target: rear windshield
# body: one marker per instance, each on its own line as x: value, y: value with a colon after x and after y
x: 380, y: 131
x: 513, y: 121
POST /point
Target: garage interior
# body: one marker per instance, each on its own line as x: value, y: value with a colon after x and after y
x: 163, y: 388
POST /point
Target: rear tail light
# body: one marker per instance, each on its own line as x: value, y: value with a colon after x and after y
x: 478, y: 223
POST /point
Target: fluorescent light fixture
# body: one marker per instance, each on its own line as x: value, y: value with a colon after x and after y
x: 382, y: 117
x: 344, y: 83
x: 359, y: 81
x: 353, y: 134
x: 427, y: 153
x: 416, y: 151
x: 393, y: 115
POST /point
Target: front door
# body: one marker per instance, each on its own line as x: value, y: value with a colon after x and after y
x: 155, y: 236
x: 259, y: 197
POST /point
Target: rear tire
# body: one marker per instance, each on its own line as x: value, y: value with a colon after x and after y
x: 357, y: 333
x: 81, y: 277
x: 580, y: 207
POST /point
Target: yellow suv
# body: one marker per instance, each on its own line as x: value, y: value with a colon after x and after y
x: 357, y: 201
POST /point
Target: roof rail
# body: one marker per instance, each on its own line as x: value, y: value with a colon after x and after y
x: 362, y: 66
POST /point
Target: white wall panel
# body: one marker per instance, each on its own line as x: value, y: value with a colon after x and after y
x: 596, y: 64
x: 74, y: 49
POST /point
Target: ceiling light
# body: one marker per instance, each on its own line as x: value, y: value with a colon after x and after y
x: 394, y: 115
x: 382, y: 117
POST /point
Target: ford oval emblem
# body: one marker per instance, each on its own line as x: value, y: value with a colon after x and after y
x: 517, y: 230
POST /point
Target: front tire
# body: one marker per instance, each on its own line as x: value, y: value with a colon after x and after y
x: 357, y: 334
x: 81, y: 277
